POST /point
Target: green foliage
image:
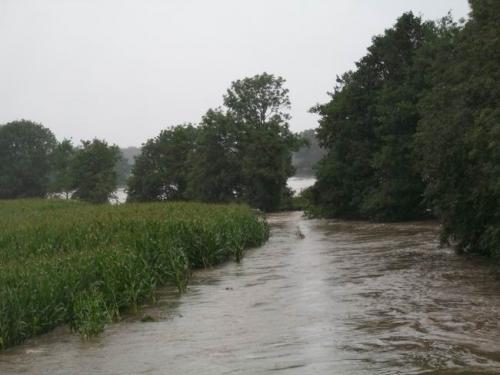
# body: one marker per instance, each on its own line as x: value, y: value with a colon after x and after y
x: 93, y: 171
x: 346, y: 132
x: 416, y: 127
x: 258, y: 100
x: 161, y: 170
x: 267, y: 165
x: 398, y: 188
x: 215, y: 174
x: 459, y: 135
x: 71, y: 262
x: 259, y: 106
x: 90, y: 313
x: 25, y: 149
x: 368, y: 128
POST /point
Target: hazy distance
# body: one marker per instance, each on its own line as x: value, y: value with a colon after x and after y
x: 123, y: 70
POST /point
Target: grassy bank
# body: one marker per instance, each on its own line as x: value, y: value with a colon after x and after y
x: 71, y: 262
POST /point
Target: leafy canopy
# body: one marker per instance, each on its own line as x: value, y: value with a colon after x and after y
x: 25, y: 149
x: 93, y: 171
x: 161, y: 170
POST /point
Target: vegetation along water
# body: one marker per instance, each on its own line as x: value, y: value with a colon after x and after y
x: 70, y: 262
x: 414, y: 130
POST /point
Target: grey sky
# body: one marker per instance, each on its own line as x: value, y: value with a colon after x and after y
x: 124, y: 69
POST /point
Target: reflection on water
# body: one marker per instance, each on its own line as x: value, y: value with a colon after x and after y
x: 349, y: 298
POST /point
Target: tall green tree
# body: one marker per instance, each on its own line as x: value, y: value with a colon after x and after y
x: 93, y: 171
x: 243, y: 150
x: 267, y: 165
x: 259, y: 100
x: 397, y: 190
x: 161, y: 170
x: 260, y: 105
x: 215, y: 165
x: 346, y: 131
x: 368, y: 129
x: 25, y: 165
x: 459, y: 134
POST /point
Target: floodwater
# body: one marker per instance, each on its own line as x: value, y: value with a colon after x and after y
x: 348, y: 298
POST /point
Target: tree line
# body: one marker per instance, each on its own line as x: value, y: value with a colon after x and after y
x: 304, y: 159
x: 34, y: 164
x: 240, y: 152
x: 414, y: 130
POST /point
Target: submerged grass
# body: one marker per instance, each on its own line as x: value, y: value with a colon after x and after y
x: 69, y: 262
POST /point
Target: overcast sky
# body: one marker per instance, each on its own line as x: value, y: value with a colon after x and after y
x: 124, y: 69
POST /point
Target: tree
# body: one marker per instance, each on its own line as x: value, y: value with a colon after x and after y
x: 346, y: 131
x: 260, y: 105
x: 267, y: 165
x: 368, y: 129
x: 216, y: 174
x: 459, y: 134
x: 243, y: 151
x: 61, y: 180
x: 258, y: 100
x: 397, y: 192
x: 93, y: 171
x: 25, y: 149
x: 161, y: 170
x: 239, y: 153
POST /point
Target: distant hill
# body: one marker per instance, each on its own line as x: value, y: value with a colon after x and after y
x: 306, y: 158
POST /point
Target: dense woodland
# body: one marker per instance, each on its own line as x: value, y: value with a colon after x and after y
x: 414, y: 130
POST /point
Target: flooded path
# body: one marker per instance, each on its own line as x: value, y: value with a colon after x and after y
x: 349, y: 298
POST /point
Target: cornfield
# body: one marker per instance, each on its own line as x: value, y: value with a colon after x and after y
x: 69, y: 262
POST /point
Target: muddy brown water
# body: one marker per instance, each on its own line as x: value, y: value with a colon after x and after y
x: 349, y: 298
